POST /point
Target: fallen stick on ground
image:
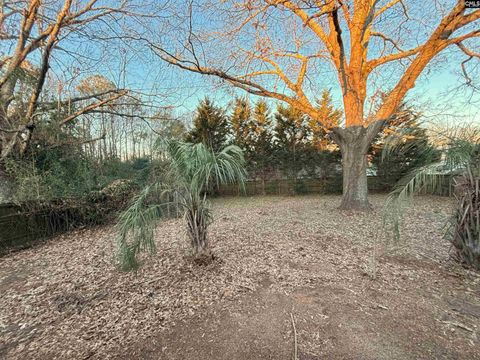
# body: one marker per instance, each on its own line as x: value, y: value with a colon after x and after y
x: 457, y: 324
x: 295, y: 356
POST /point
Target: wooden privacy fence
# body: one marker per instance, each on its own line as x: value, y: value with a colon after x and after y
x: 22, y: 225
x: 25, y: 224
x: 331, y: 185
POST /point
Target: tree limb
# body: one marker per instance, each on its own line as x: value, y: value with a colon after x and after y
x: 92, y: 107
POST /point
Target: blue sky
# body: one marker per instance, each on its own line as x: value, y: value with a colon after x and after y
x: 437, y: 93
x: 440, y: 95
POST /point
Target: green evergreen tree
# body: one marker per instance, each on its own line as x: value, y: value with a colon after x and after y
x: 210, y: 126
x: 413, y: 151
x: 292, y: 144
x: 262, y: 157
x: 241, y: 123
x: 330, y: 115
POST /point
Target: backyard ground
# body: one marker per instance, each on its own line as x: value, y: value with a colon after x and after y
x: 286, y: 269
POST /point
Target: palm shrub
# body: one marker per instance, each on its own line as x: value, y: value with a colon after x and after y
x: 191, y: 169
x: 464, y: 228
x: 460, y: 162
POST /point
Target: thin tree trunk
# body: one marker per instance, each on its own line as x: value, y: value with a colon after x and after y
x: 133, y: 140
x: 354, y: 142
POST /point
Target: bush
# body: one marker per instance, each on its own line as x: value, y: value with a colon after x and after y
x: 110, y: 170
x: 462, y: 161
x: 413, y: 151
x: 464, y: 230
x: 56, y: 174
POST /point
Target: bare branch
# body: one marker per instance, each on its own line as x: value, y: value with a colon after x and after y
x: 93, y: 106
x: 80, y: 142
x: 471, y: 54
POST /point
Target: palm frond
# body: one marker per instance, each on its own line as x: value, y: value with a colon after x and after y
x: 427, y: 179
x: 457, y: 158
x: 226, y: 167
x: 398, y: 142
x: 136, y: 225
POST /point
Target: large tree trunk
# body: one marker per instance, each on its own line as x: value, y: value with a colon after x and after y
x: 354, y: 166
x: 354, y: 143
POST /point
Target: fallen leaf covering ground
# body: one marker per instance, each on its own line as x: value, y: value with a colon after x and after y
x: 277, y: 258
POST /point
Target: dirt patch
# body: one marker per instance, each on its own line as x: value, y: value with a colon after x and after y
x: 274, y: 257
x: 329, y: 321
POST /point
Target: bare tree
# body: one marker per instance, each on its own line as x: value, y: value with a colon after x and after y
x: 288, y: 50
x: 34, y: 30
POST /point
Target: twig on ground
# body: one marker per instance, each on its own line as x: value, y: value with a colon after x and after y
x: 247, y: 287
x: 457, y: 324
x: 295, y: 347
x: 429, y: 258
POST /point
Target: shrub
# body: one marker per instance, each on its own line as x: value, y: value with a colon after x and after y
x: 463, y: 231
x: 461, y: 160
x: 191, y: 169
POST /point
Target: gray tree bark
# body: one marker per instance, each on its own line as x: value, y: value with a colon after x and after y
x: 354, y: 143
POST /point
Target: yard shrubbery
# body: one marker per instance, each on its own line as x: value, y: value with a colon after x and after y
x: 191, y: 170
x: 460, y: 161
